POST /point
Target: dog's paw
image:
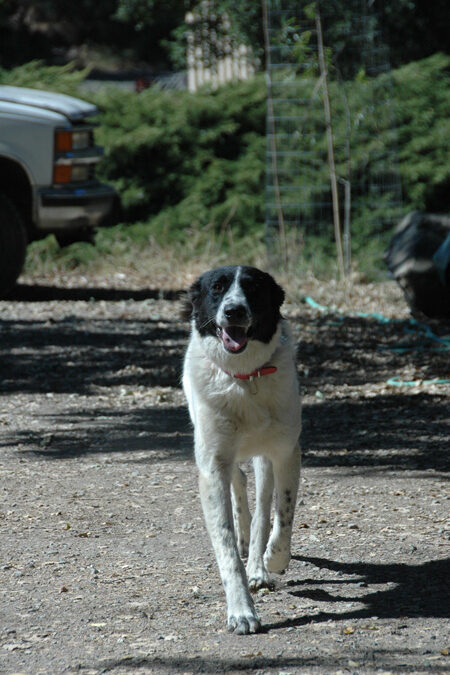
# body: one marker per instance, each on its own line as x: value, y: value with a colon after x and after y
x: 258, y: 577
x: 260, y: 581
x: 276, y: 560
x: 243, y: 624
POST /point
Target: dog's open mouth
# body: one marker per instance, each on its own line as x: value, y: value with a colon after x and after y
x: 234, y: 338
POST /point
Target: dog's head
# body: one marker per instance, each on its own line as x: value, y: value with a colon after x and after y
x: 235, y: 305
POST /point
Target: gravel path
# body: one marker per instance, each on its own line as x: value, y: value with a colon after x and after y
x: 105, y: 563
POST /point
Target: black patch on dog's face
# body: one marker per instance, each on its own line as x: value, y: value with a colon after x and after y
x: 264, y: 298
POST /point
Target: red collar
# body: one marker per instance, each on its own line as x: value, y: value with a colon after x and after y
x: 259, y: 372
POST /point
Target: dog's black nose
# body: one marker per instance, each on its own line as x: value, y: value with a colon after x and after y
x: 235, y: 312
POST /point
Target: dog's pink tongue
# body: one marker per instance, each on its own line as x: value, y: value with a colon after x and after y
x: 234, y: 338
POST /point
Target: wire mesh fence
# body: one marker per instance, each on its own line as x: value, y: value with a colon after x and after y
x: 361, y: 125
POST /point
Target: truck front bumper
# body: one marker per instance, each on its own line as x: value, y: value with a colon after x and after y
x: 75, y: 208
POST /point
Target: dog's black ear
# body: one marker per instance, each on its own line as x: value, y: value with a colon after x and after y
x: 189, y: 300
x: 276, y: 292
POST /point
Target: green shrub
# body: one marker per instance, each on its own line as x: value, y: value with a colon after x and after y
x: 422, y: 103
x: 64, y: 79
x: 190, y: 159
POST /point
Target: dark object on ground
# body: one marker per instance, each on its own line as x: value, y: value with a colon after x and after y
x: 419, y: 259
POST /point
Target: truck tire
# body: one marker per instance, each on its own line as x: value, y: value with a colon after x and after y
x: 13, y: 244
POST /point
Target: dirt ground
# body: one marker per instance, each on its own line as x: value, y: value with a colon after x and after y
x: 105, y: 563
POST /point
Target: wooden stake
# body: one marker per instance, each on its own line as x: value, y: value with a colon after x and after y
x: 330, y: 143
x: 273, y: 142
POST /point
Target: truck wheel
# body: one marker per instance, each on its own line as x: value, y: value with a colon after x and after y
x: 13, y: 244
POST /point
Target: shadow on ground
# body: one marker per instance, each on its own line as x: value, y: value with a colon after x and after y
x: 372, y: 435
x: 392, y: 660
x: 390, y: 430
x: 421, y: 590
x: 415, y: 591
x: 74, y: 355
x: 159, y: 432
x: 40, y: 293
x: 88, y: 355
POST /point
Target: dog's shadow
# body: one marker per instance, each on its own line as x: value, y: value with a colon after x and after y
x: 421, y: 590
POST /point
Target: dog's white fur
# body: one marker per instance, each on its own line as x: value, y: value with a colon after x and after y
x: 235, y: 420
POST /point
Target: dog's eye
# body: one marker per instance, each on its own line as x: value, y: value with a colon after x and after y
x: 218, y: 287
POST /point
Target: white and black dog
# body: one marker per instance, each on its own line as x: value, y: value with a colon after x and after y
x: 241, y: 385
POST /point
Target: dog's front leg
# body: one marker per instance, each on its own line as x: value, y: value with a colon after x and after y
x: 215, y: 495
x: 258, y: 577
x: 241, y: 513
x: 286, y: 470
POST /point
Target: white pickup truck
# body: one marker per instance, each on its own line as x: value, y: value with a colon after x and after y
x: 47, y: 177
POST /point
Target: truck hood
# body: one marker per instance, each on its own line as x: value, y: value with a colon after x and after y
x: 73, y: 108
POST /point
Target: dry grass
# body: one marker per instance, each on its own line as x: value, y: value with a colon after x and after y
x: 133, y: 267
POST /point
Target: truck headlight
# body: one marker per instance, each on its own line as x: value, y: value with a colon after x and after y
x: 81, y: 140
x: 68, y: 140
x: 70, y: 173
x: 80, y: 172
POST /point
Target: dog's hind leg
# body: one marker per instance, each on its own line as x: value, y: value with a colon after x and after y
x: 214, y: 483
x: 241, y: 513
x: 257, y: 574
x: 287, y: 475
